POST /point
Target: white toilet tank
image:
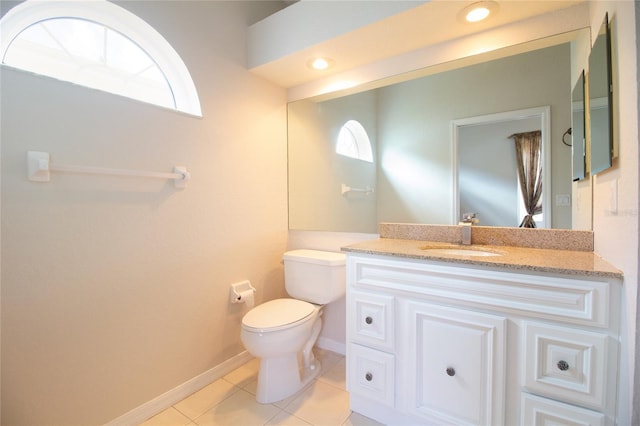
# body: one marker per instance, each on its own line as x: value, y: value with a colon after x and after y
x: 315, y: 276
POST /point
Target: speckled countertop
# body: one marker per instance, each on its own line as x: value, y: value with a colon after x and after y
x: 524, y: 259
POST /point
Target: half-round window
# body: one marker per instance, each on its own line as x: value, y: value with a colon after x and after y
x: 99, y: 45
x: 354, y: 142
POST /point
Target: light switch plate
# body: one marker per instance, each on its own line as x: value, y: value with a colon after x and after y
x: 563, y: 200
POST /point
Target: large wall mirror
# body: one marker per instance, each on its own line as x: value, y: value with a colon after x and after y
x: 600, y: 101
x: 409, y: 127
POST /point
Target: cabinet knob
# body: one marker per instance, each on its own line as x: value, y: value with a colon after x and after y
x: 563, y: 365
x: 368, y: 320
x: 368, y: 377
x: 451, y: 371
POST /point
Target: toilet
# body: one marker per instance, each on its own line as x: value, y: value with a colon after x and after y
x: 282, y: 332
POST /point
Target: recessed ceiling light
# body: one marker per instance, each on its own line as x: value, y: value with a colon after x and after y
x: 320, y: 63
x: 476, y: 12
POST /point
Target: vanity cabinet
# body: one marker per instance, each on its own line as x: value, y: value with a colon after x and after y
x: 443, y: 343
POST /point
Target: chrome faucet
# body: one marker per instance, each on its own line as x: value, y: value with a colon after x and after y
x: 468, y: 219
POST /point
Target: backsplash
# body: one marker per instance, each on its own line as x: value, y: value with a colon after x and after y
x: 556, y: 239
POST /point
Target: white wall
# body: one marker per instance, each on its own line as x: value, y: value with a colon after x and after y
x: 615, y: 191
x: 116, y: 290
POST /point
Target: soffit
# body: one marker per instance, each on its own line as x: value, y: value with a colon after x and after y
x: 426, y: 24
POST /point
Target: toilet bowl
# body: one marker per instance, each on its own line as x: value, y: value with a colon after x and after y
x: 282, y: 332
x: 294, y: 326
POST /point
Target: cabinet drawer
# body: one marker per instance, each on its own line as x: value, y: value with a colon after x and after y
x: 539, y: 411
x: 371, y: 373
x: 372, y: 323
x: 567, y: 364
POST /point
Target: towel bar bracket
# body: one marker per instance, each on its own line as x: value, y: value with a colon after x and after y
x: 345, y: 189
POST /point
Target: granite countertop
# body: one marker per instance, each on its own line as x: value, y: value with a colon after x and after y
x: 513, y: 258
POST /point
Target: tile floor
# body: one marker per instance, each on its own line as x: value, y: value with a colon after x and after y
x: 231, y: 401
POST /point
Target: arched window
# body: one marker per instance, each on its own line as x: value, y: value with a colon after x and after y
x: 100, y: 45
x: 353, y: 142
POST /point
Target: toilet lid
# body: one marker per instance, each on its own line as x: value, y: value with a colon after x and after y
x: 277, y: 314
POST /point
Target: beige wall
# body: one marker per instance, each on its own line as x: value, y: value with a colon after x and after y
x: 116, y: 290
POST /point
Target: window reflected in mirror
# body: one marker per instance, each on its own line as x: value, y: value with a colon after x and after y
x: 353, y: 141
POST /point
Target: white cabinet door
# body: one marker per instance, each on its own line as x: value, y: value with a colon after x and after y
x: 456, y: 369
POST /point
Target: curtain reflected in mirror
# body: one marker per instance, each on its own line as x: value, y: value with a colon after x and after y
x: 529, y: 159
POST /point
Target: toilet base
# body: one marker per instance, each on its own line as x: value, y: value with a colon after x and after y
x: 277, y: 380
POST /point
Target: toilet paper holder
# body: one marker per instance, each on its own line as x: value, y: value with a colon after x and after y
x: 240, y: 289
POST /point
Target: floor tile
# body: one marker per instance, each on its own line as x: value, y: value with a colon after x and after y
x: 285, y: 419
x: 207, y: 397
x: 356, y: 419
x: 244, y: 374
x: 321, y: 404
x: 285, y: 402
x: 240, y: 408
x: 168, y: 417
x: 327, y: 358
x: 251, y: 387
x: 230, y: 401
x: 336, y: 375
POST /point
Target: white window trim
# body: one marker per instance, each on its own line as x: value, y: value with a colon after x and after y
x: 119, y: 19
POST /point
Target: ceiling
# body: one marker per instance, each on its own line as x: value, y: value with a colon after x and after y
x: 426, y: 24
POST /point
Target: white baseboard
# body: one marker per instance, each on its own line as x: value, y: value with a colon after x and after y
x: 180, y: 392
x: 331, y: 345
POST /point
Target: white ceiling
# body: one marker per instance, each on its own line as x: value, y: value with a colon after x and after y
x: 426, y: 24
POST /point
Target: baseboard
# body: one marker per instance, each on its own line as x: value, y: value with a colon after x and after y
x: 331, y: 345
x: 180, y: 392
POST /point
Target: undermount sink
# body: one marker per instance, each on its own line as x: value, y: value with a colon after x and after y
x: 460, y: 251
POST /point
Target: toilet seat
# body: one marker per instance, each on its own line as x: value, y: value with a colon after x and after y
x: 278, y: 314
